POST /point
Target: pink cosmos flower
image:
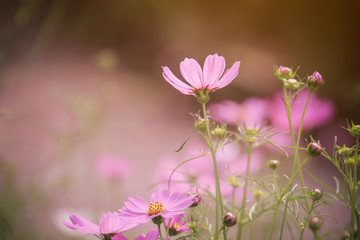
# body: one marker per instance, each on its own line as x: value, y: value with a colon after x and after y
x: 110, y: 223
x: 153, y: 234
x: 211, y: 77
x: 162, y: 203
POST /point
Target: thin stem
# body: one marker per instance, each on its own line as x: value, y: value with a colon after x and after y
x: 219, y: 209
x: 159, y: 228
x: 354, y: 188
x: 302, y: 182
x: 283, y: 194
x: 296, y: 144
x: 242, y: 210
x: 283, y: 219
x: 275, y: 188
x: 307, y: 220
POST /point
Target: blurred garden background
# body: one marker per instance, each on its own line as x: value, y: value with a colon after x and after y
x: 87, y: 120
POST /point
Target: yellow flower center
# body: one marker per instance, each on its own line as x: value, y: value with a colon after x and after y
x: 155, y: 208
x: 176, y: 226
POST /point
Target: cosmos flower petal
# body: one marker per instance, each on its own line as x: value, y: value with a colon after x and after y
x: 229, y: 75
x: 119, y: 236
x: 152, y: 235
x: 82, y: 225
x: 192, y: 73
x: 214, y: 67
x: 177, y: 83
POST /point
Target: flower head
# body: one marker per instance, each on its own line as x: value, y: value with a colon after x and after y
x: 202, y: 81
x: 162, y: 203
x: 110, y: 223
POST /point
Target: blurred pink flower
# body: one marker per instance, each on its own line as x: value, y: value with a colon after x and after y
x: 153, y: 234
x: 114, y: 167
x: 319, y: 111
x: 162, y: 203
x: 110, y: 223
x: 176, y: 225
x: 253, y: 111
x: 209, y: 78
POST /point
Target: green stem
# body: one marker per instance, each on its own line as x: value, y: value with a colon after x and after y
x: 275, y: 188
x: 296, y: 144
x: 242, y: 210
x: 283, y: 194
x: 307, y: 221
x: 283, y: 219
x: 219, y: 209
x: 354, y: 188
x: 159, y: 228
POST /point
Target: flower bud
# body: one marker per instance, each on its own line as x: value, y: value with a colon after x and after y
x: 200, y: 124
x: 314, y: 149
x: 316, y: 194
x: 284, y: 70
x: 229, y: 219
x: 344, y: 151
x: 284, y: 73
x: 314, y: 224
x: 292, y: 84
x: 273, y: 164
x: 354, y: 130
x: 233, y: 181
x: 219, y: 131
x: 314, y: 81
x: 196, y: 199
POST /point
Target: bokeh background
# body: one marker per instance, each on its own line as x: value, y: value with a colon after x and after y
x: 87, y: 119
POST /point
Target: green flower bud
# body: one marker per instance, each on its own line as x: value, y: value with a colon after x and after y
x: 315, y: 224
x: 316, y: 194
x: 273, y: 164
x: 219, y: 131
x: 292, y: 84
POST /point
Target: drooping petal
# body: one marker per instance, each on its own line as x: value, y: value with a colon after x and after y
x: 82, y: 225
x: 229, y: 75
x: 192, y: 73
x: 214, y: 67
x: 177, y: 83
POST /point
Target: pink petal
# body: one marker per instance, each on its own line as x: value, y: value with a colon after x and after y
x: 119, y: 237
x: 191, y: 71
x: 214, y: 67
x: 177, y: 83
x: 228, y: 76
x: 82, y: 225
